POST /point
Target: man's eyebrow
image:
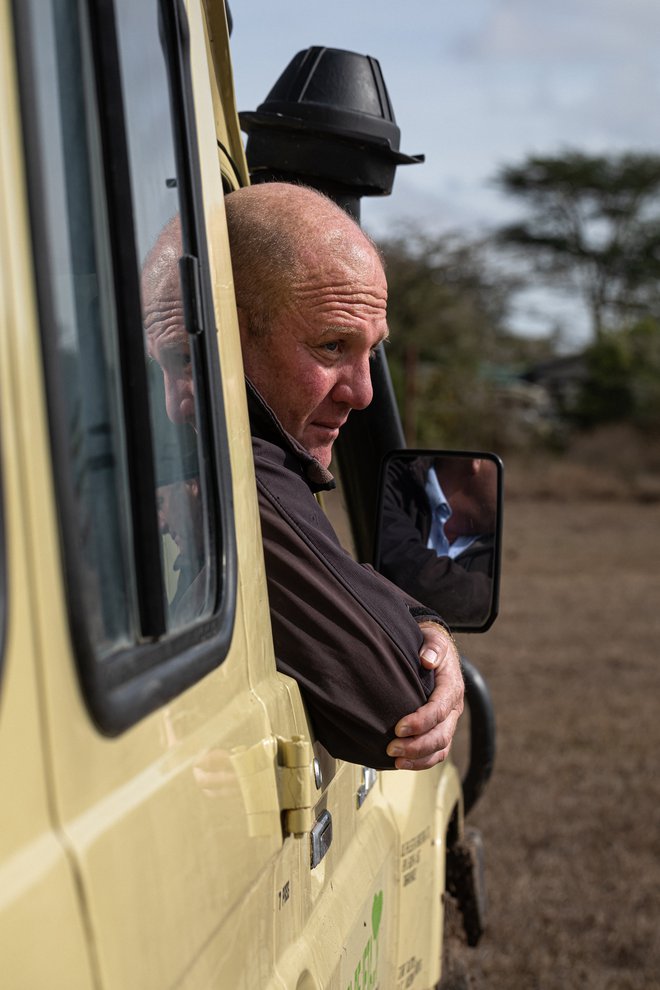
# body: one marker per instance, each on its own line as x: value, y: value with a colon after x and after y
x: 345, y: 331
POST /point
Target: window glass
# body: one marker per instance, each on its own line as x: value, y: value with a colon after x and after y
x: 184, y: 509
x: 83, y: 319
x: 86, y: 323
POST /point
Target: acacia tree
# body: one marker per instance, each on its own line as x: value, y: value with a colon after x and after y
x: 594, y: 223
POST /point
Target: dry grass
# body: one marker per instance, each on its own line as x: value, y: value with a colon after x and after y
x: 612, y: 463
x: 571, y: 818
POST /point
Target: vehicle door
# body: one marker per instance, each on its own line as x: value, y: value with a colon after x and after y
x: 36, y: 882
x: 147, y: 584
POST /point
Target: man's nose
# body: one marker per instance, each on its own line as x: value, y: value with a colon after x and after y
x: 162, y: 521
x: 178, y: 391
x: 354, y: 385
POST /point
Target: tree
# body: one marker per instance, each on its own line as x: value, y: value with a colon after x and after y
x: 594, y: 220
x: 623, y: 379
x: 446, y: 308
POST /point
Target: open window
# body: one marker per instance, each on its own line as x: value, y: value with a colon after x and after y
x: 139, y: 442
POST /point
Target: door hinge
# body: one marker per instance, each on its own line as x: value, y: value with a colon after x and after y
x: 296, y: 783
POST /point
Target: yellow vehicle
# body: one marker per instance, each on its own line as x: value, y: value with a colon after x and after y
x: 168, y: 818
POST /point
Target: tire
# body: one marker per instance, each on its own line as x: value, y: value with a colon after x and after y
x: 455, y: 972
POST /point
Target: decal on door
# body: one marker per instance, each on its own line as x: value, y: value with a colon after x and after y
x: 411, y: 852
x: 408, y: 973
x: 366, y: 971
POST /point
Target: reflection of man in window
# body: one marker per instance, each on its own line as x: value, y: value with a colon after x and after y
x: 165, y: 325
x: 173, y: 415
x: 437, y: 533
x: 180, y: 518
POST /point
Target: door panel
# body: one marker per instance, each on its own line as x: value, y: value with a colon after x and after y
x: 42, y: 936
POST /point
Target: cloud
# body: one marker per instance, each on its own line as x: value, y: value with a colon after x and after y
x: 565, y: 29
x: 476, y: 85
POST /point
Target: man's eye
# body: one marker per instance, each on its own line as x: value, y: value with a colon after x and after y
x: 182, y: 359
x: 332, y: 347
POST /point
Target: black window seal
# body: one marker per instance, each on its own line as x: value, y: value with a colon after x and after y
x: 134, y: 682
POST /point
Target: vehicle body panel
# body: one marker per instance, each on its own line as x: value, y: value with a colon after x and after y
x: 160, y: 857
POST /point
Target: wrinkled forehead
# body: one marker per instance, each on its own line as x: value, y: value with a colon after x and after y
x: 163, y: 315
x: 341, y: 260
x: 165, y: 333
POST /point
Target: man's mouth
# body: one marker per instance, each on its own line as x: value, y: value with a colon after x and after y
x: 329, y: 427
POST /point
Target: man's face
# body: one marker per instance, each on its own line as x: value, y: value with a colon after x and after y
x: 312, y: 366
x: 485, y: 495
x: 167, y: 341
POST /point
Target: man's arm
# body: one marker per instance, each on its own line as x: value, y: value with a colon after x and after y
x: 424, y: 737
x: 341, y: 630
x: 431, y: 727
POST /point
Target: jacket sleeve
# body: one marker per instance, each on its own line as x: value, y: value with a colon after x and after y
x: 345, y: 634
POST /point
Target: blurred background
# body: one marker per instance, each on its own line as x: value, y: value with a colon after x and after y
x: 523, y: 260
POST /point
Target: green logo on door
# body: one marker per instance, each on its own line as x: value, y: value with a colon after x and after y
x: 366, y: 971
x: 376, y: 912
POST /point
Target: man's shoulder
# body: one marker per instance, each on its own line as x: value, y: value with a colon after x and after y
x: 285, y: 492
x: 279, y: 466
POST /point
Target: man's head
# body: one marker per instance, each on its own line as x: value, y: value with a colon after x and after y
x: 470, y: 486
x: 167, y: 337
x: 311, y: 296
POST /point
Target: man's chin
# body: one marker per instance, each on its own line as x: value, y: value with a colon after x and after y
x: 323, y: 455
x: 322, y: 452
x: 319, y: 443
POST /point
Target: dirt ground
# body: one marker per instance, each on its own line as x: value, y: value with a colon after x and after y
x: 571, y: 817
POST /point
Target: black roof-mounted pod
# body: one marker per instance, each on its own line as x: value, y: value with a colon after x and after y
x: 329, y: 123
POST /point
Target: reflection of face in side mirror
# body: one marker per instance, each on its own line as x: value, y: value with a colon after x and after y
x: 439, y: 532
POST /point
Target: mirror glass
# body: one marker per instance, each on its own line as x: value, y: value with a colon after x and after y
x: 438, y: 532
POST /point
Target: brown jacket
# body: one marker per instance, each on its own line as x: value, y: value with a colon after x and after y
x: 348, y: 636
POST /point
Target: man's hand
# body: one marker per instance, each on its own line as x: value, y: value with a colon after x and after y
x: 424, y: 737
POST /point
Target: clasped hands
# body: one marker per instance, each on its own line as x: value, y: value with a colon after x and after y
x: 423, y: 738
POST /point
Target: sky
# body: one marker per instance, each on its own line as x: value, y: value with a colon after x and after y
x: 475, y: 85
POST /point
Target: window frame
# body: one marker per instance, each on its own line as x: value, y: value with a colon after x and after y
x: 126, y: 686
x: 4, y: 583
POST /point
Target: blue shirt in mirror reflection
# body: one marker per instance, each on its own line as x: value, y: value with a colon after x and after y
x: 440, y: 514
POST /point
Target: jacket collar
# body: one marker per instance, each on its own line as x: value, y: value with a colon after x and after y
x: 265, y: 425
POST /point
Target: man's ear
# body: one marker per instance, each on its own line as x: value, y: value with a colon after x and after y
x: 475, y: 465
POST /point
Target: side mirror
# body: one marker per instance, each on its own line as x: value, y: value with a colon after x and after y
x: 439, y: 532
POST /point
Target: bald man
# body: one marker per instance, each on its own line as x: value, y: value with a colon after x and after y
x: 379, y: 672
